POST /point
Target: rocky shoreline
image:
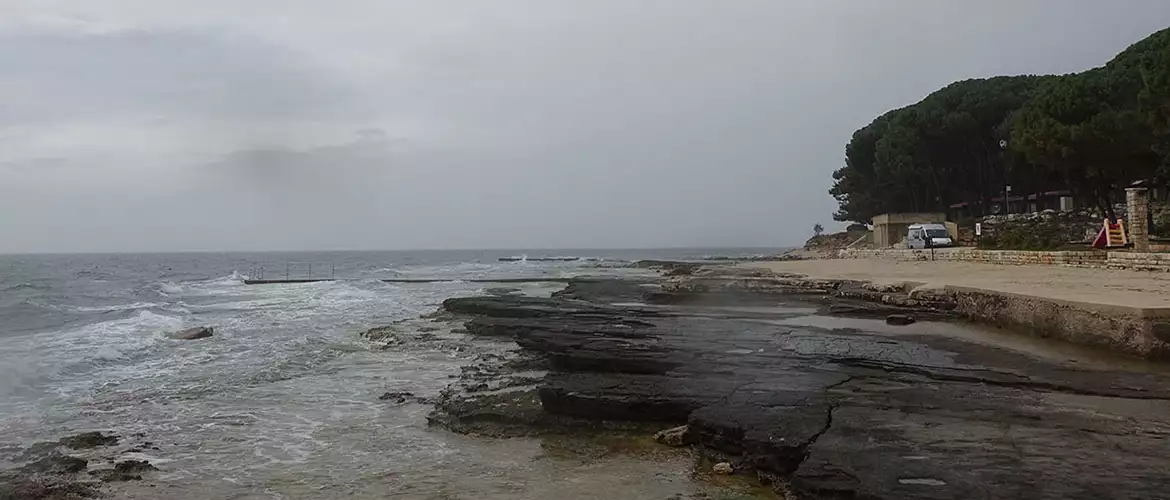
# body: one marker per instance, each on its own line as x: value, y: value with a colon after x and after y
x: 736, y: 365
x: 812, y: 388
x: 76, y: 466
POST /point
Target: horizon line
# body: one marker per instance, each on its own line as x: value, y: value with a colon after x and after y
x: 485, y: 249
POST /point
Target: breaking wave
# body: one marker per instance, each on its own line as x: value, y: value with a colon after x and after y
x: 169, y: 288
x: 118, y: 307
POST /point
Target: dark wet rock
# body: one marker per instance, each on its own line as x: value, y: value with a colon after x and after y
x: 1161, y: 331
x: 670, y: 268
x: 16, y: 486
x: 134, y: 467
x: 87, y: 440
x: 57, y: 463
x: 397, y: 397
x: 128, y: 470
x: 899, y: 319
x: 38, y: 451
x: 822, y: 413
x: 517, y: 306
x: 381, y: 333
x: 612, y: 291
x: 199, y: 332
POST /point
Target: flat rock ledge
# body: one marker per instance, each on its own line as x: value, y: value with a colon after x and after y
x: 74, y: 467
x: 819, y: 413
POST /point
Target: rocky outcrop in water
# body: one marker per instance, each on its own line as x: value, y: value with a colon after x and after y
x: 819, y: 412
x: 70, y: 468
x: 127, y: 470
x: 87, y: 440
x: 199, y: 332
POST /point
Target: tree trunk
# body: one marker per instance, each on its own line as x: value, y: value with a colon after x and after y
x: 1104, y: 203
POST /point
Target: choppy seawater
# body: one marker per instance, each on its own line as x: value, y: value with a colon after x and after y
x: 283, y: 401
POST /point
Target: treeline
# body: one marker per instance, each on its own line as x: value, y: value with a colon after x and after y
x: 1089, y: 133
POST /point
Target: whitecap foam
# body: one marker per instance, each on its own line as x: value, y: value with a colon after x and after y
x: 67, y: 358
x: 118, y: 307
x: 169, y: 288
x: 235, y: 278
x: 109, y: 340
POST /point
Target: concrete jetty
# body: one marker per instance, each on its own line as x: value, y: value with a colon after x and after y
x: 544, y: 279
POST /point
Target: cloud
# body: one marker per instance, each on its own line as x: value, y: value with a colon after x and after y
x: 275, y: 124
x: 53, y: 77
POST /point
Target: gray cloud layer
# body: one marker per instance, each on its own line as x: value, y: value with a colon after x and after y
x: 153, y: 125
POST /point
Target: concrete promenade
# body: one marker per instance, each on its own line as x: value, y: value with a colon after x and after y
x: 1133, y: 289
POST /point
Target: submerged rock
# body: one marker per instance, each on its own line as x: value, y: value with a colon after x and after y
x: 397, y: 397
x: 128, y: 470
x: 199, y: 332
x: 56, y: 463
x: 87, y: 440
x: 14, y: 486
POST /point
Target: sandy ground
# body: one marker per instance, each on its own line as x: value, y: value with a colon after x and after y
x: 1101, y: 286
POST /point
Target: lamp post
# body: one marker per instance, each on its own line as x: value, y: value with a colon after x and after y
x: 1007, y: 188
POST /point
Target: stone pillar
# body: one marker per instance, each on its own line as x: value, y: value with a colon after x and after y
x: 1138, y: 206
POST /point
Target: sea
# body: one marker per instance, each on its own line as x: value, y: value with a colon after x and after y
x: 283, y: 401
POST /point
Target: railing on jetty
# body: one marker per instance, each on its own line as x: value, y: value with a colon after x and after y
x: 293, y: 272
x: 314, y: 272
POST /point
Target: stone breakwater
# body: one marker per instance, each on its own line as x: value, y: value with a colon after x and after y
x: 737, y: 367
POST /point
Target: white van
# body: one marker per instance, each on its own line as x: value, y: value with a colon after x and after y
x: 928, y: 236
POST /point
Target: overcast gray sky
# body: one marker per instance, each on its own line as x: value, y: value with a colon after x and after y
x: 146, y: 125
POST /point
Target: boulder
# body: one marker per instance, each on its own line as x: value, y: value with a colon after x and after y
x: 899, y: 319
x: 199, y: 332
x: 675, y: 436
x: 722, y: 468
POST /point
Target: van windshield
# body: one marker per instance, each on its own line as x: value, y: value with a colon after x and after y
x: 937, y: 233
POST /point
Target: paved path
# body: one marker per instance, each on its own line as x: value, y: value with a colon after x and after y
x: 1101, y: 286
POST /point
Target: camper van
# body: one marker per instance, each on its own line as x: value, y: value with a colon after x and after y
x: 928, y: 236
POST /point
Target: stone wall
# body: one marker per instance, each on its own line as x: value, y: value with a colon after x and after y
x: 1139, y: 261
x: 1045, y: 230
x: 1132, y: 331
x: 1011, y: 257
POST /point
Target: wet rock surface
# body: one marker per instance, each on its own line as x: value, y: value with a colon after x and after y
x: 72, y: 467
x: 199, y: 332
x: 128, y: 470
x: 87, y: 440
x: 818, y: 412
